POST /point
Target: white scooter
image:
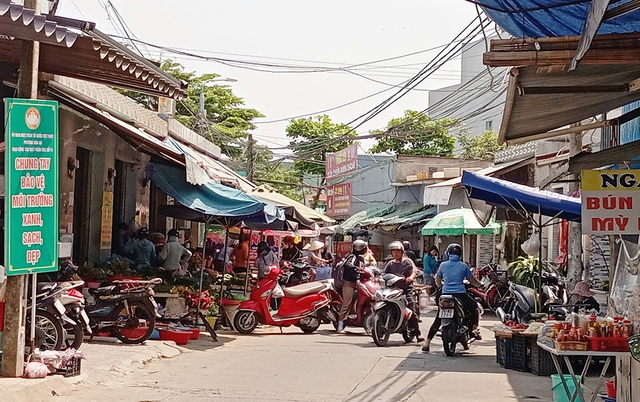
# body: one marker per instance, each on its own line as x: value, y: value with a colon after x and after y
x: 390, y: 312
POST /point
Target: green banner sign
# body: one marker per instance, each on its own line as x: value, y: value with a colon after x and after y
x: 31, y: 199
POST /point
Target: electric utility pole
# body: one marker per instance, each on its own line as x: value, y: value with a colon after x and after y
x: 574, y: 249
x: 15, y: 306
x: 250, y: 158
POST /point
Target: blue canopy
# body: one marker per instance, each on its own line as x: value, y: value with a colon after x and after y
x: 518, y: 197
x: 212, y: 199
x: 549, y: 18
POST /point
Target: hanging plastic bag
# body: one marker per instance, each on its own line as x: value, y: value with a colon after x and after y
x: 531, y: 246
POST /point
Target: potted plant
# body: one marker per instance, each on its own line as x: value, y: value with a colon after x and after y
x: 525, y: 270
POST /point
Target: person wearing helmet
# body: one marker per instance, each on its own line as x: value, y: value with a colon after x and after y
x: 141, y: 251
x: 453, y: 272
x: 351, y: 266
x: 369, y: 258
x: 402, y: 266
x: 406, y: 245
x: 265, y: 259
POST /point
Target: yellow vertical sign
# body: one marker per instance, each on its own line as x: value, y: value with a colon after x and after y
x: 106, y: 228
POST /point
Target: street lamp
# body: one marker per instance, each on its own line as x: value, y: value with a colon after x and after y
x: 203, y: 112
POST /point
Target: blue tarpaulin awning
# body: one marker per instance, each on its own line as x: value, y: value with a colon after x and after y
x: 211, y: 199
x: 519, y: 197
x: 550, y: 18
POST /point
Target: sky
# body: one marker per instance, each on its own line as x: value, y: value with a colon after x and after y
x: 328, y: 34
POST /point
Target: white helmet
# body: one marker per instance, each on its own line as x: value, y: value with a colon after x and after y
x: 396, y: 245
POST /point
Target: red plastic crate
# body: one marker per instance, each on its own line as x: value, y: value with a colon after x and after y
x: 609, y: 344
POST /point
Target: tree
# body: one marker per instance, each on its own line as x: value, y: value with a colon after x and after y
x: 227, y: 120
x: 312, y: 138
x: 483, y: 146
x: 417, y: 134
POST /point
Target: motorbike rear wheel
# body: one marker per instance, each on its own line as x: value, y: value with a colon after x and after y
x: 380, y: 332
x: 408, y: 335
x: 245, y: 321
x: 75, y: 335
x: 49, y: 332
x: 500, y: 299
x: 309, y: 324
x: 367, y: 322
x: 131, y: 320
x: 449, y: 340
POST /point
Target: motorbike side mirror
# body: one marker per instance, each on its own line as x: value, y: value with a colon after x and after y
x: 634, y: 346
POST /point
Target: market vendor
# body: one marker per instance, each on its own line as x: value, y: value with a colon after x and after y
x: 290, y: 250
x: 174, y: 255
x: 240, y: 254
x: 586, y: 300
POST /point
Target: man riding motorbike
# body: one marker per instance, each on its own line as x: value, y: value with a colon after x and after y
x: 352, y: 264
x: 403, y: 266
x: 453, y: 272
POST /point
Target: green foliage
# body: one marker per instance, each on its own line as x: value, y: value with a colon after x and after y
x: 525, y: 270
x: 227, y: 122
x: 417, y: 134
x: 264, y: 167
x: 483, y: 146
x: 312, y: 138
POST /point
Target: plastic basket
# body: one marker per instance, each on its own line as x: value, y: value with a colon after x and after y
x: 609, y: 344
x: 323, y: 273
x: 504, y: 352
x: 70, y: 368
x: 520, y: 356
x: 541, y: 362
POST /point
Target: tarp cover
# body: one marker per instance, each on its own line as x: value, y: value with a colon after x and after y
x: 355, y: 219
x: 518, y: 197
x: 212, y: 199
x: 458, y: 222
x: 294, y: 209
x: 548, y: 18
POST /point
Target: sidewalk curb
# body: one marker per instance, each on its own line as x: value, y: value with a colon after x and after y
x: 29, y: 390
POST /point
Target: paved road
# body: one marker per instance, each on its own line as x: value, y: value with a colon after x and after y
x: 325, y: 366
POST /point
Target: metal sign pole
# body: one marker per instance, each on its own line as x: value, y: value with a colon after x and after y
x: 34, y: 286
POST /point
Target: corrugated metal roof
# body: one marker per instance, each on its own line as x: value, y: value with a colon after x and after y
x: 400, y: 210
x: 355, y: 219
x: 75, y: 49
x: 23, y: 23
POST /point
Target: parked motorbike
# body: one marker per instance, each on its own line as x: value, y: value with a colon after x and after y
x: 126, y: 309
x: 455, y: 324
x: 390, y: 312
x: 294, y: 272
x: 495, y: 292
x: 304, y: 305
x: 50, y: 317
x: 74, y: 303
x: 361, y: 314
x: 521, y: 303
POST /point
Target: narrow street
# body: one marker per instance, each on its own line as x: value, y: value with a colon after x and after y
x: 325, y: 366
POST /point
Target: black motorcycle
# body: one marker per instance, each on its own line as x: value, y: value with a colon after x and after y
x: 126, y: 309
x: 294, y: 272
x: 455, y: 324
x: 522, y: 302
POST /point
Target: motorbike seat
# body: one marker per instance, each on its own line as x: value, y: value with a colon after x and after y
x: 298, y: 291
x: 102, y: 291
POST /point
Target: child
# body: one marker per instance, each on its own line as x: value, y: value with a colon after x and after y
x: 585, y: 297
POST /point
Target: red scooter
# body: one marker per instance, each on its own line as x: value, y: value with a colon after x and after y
x: 302, y: 305
x: 496, y: 291
x: 366, y: 288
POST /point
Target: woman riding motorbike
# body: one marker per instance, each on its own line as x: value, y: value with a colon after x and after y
x: 453, y: 273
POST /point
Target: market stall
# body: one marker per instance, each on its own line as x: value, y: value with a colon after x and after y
x: 555, y: 348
